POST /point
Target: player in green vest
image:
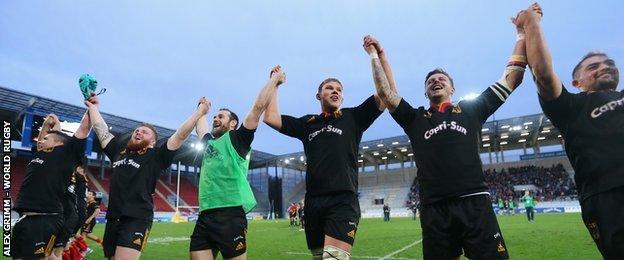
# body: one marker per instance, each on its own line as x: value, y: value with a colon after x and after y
x: 224, y: 192
x: 512, y: 206
x: 529, y: 205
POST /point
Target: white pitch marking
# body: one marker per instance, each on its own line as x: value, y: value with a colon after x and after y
x: 401, y: 250
x: 353, y: 256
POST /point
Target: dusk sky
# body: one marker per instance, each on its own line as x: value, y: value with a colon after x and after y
x: 156, y: 58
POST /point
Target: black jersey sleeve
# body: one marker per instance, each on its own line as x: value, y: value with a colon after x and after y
x: 113, y: 148
x: 559, y: 109
x: 165, y: 156
x: 77, y: 147
x: 241, y: 140
x: 487, y: 103
x: 404, y: 114
x: 293, y: 127
x: 366, y: 113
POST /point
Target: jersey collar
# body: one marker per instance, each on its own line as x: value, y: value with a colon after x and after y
x: 441, y: 107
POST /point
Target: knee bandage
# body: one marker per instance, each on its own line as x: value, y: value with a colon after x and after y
x: 332, y: 252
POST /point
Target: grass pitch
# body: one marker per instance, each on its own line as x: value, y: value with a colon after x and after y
x: 551, y: 236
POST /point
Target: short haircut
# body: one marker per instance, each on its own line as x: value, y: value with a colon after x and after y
x: 151, y: 127
x: 327, y: 80
x: 441, y: 71
x: 587, y: 56
x: 63, y: 137
x: 233, y: 115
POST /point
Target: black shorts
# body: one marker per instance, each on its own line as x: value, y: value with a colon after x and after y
x: 336, y: 216
x: 221, y: 230
x: 88, y: 227
x: 33, y: 237
x: 603, y: 215
x: 125, y: 232
x: 465, y: 223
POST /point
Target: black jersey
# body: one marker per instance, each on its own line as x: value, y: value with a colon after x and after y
x: 47, y: 177
x: 592, y: 125
x: 446, y: 144
x: 331, y: 146
x: 81, y: 194
x: 91, y: 207
x: 134, y: 179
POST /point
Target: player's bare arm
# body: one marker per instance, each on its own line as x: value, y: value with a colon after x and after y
x: 177, y: 139
x: 277, y: 77
x: 272, y: 116
x: 382, y: 75
x: 97, y: 122
x: 538, y: 55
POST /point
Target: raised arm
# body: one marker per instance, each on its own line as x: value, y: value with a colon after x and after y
x: 514, y: 72
x: 382, y: 75
x: 538, y: 55
x: 272, y: 116
x: 202, y: 127
x: 85, y: 125
x: 97, y: 122
x: 276, y: 78
x: 177, y: 139
x: 51, y: 122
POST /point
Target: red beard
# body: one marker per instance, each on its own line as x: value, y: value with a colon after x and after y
x: 134, y: 145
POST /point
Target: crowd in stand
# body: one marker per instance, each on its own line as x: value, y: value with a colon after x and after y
x: 553, y: 183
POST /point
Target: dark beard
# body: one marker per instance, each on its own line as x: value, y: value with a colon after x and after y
x: 218, y: 132
x: 137, y: 145
x: 608, y: 84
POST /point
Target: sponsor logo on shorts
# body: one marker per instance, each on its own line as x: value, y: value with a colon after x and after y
x: 497, y: 235
x: 39, y: 251
x: 593, y: 230
x: 501, y: 247
x: 240, y: 246
x: 351, y: 233
x: 238, y: 237
x: 138, y: 238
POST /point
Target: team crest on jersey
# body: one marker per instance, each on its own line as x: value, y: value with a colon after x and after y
x: 211, y: 152
x: 427, y: 114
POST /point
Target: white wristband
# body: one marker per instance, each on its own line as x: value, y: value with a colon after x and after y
x: 520, y: 37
